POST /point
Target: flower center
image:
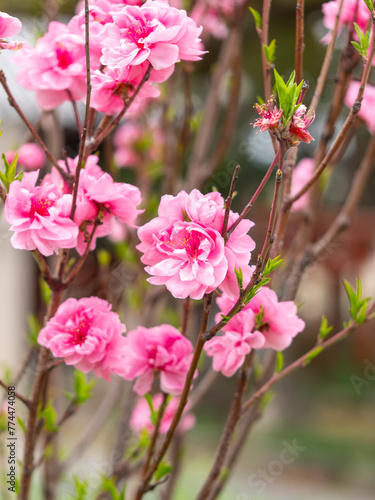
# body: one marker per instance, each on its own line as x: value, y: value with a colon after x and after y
x: 78, y: 332
x: 138, y: 32
x: 188, y: 241
x: 63, y: 56
x: 40, y: 207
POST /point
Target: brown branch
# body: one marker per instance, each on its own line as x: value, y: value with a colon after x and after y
x: 143, y: 485
x: 19, y: 396
x: 230, y: 426
x: 185, y: 319
x: 264, y: 41
x: 303, y: 360
x: 228, y: 204
x: 300, y: 46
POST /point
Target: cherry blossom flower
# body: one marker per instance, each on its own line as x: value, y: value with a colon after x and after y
x: 277, y: 321
x: 184, y: 249
x: 140, y: 419
x: 367, y: 108
x: 269, y: 116
x: 299, y: 124
x: 39, y: 216
x: 301, y: 174
x: 156, y: 32
x: 161, y: 349
x: 352, y: 11
x: 88, y: 335
x: 9, y: 26
x: 30, y: 156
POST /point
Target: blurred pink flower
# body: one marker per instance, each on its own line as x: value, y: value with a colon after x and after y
x: 55, y: 67
x: 277, y: 321
x: 184, y: 249
x: 155, y: 32
x: 30, y: 156
x: 9, y: 26
x: 352, y: 11
x: 301, y: 174
x: 140, y: 419
x: 88, y: 335
x: 368, y: 104
x: 39, y: 216
x: 160, y: 349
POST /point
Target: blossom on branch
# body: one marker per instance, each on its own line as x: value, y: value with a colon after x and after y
x: 269, y: 116
x: 88, y: 335
x: 39, y: 216
x: 162, y: 350
x: 301, y: 120
x: 183, y: 247
x: 352, y: 11
x: 30, y: 156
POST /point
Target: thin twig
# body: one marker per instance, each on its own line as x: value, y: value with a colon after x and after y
x: 228, y: 204
x: 300, y: 46
x: 19, y: 396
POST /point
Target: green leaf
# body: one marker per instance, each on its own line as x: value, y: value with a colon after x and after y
x: 239, y: 276
x: 267, y: 398
x: 313, y: 354
x: 325, y: 330
x: 288, y: 94
x: 271, y: 265
x: 49, y: 415
x: 369, y: 4
x: 358, y: 305
x: 154, y: 413
x: 21, y: 423
x: 81, y: 489
x: 279, y: 361
x: 34, y: 329
x: 364, y: 41
x: 270, y: 51
x: 257, y: 18
x: 163, y: 469
x: 45, y: 291
x: 109, y: 485
x: 82, y: 387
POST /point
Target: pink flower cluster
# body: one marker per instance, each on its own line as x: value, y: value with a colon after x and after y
x: 125, y: 39
x: 163, y: 350
x: 263, y: 323
x: 184, y: 250
x: 367, y: 107
x: 88, y: 335
x: 40, y: 215
x: 141, y: 416
x: 352, y: 11
x: 30, y: 156
x: 9, y: 26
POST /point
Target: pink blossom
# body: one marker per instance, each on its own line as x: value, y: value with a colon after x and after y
x: 141, y: 416
x: 39, y: 216
x: 300, y: 122
x: 352, y: 11
x: 230, y: 350
x: 367, y: 107
x: 213, y: 14
x: 269, y: 116
x: 160, y: 349
x: 98, y: 194
x: 301, y: 174
x: 88, y: 335
x: 184, y: 249
x: 30, y: 156
x: 277, y: 321
x: 55, y: 68
x: 113, y: 87
x: 9, y: 26
x: 156, y: 32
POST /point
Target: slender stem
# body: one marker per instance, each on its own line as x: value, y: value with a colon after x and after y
x: 31, y: 128
x: 300, y: 15
x: 249, y: 205
x: 304, y: 359
x: 185, y: 320
x: 3, y: 194
x: 82, y: 154
x: 19, y: 396
x: 230, y: 425
x: 144, y: 482
x: 346, y: 127
x: 326, y: 63
x: 75, y: 111
x: 43, y: 267
x: 228, y: 204
x: 155, y: 435
x: 264, y: 41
